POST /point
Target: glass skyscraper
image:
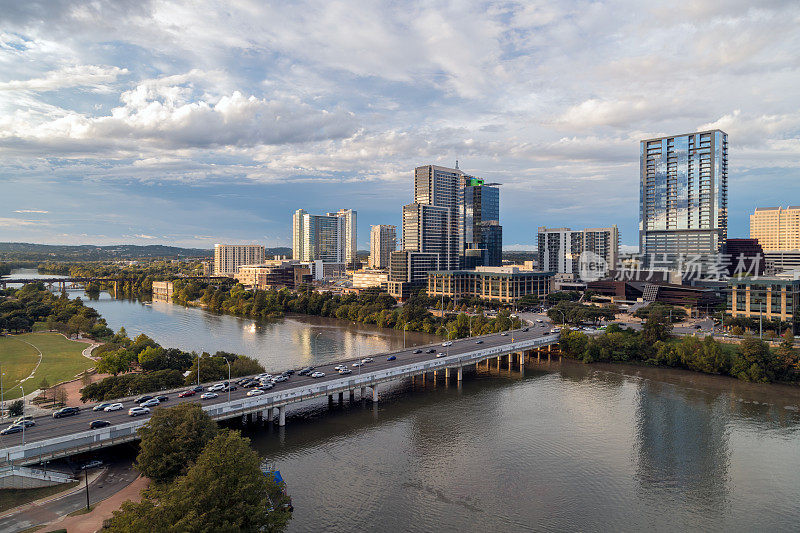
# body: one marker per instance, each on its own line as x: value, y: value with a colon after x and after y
x: 683, y: 204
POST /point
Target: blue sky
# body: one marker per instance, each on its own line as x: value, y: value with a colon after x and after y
x: 164, y: 123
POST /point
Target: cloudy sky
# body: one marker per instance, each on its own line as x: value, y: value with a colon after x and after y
x: 202, y: 122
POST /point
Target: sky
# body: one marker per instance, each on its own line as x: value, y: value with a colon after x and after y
x: 158, y: 122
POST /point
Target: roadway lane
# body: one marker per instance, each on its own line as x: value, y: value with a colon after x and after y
x: 48, y: 427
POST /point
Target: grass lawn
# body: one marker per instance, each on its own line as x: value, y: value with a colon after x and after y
x: 10, y: 498
x: 61, y: 360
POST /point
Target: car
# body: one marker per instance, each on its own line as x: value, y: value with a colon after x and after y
x: 255, y: 392
x: 538, y: 320
x: 265, y: 386
x: 198, y: 388
x: 214, y: 388
x: 113, y: 407
x: 13, y: 428
x: 289, y: 372
x: 440, y: 354
x: 95, y: 463
x: 100, y: 406
x: 316, y: 375
x: 136, y: 411
x: 358, y: 364
x: 251, y: 383
x: 345, y: 370
x: 479, y: 341
x: 504, y: 334
x: 21, y: 418
x: 142, y: 399
x: 209, y: 395
x: 391, y: 358
x: 95, y: 424
x: 526, y: 329
x: 339, y: 367
x: 263, y: 377
x: 542, y: 325
x: 417, y: 351
x: 66, y: 411
x: 367, y: 360
x: 150, y: 403
x: 279, y: 379
x: 26, y: 423
x: 231, y: 388
x: 447, y: 343
x: 186, y: 393
x: 430, y: 350
x: 306, y: 371
x: 162, y: 399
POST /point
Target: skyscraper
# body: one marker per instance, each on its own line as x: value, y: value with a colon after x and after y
x: 330, y: 238
x: 683, y: 197
x: 560, y: 249
x: 229, y: 257
x: 777, y: 229
x: 383, y: 241
x: 482, y: 235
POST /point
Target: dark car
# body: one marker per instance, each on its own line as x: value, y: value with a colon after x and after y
x: 27, y: 423
x: 231, y: 388
x: 430, y: 350
x: 100, y: 406
x: 142, y: 399
x: 526, y: 329
x: 306, y: 371
x: 94, y: 424
x: 417, y: 351
x: 162, y: 399
x: 479, y: 341
x: 289, y: 372
x: 66, y: 411
x: 198, y: 388
x: 251, y: 383
x: 16, y: 428
x: 391, y: 358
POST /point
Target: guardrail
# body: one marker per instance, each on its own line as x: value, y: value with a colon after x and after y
x: 83, y: 441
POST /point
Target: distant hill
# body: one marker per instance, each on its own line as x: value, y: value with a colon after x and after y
x: 23, y: 251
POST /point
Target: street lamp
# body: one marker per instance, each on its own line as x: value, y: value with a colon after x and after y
x: 2, y: 400
x: 23, y: 413
x: 229, y: 378
x: 198, y: 369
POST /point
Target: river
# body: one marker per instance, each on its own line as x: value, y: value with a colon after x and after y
x: 562, y: 446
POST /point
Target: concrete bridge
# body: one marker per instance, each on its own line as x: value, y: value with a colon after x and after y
x: 62, y: 283
x: 55, y: 438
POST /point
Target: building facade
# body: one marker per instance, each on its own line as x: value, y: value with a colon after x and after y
x: 330, y: 238
x: 501, y: 284
x: 683, y: 197
x: 561, y: 249
x: 777, y: 229
x: 364, y: 279
x: 482, y: 234
x: 382, y: 242
x: 767, y: 297
x: 163, y: 290
x: 229, y: 257
x: 408, y: 270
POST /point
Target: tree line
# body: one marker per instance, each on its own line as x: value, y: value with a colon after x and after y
x: 752, y: 360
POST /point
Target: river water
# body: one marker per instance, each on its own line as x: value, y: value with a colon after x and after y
x: 561, y: 446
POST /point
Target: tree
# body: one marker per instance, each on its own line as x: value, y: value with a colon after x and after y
x: 43, y: 386
x: 753, y: 361
x: 172, y: 439
x: 788, y: 361
x: 657, y: 328
x: 16, y: 408
x: 224, y: 491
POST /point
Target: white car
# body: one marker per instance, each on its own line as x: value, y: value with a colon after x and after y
x: 357, y: 364
x: 448, y: 343
x: 367, y: 360
x: 504, y: 334
x: 440, y: 354
x: 278, y: 379
x: 317, y: 374
x: 208, y: 395
x: 218, y: 386
x: 113, y: 407
x: 339, y: 367
x: 255, y: 392
x: 136, y: 411
x: 345, y: 370
x: 264, y: 376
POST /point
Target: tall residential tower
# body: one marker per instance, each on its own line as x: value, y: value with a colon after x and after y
x: 330, y: 238
x: 383, y: 241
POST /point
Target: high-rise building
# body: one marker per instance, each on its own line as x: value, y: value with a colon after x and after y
x: 561, y: 249
x: 229, y: 257
x: 777, y: 229
x: 482, y: 235
x: 383, y: 241
x: 330, y: 238
x: 683, y: 203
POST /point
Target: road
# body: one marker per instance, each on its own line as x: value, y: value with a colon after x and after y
x: 117, y: 476
x: 47, y: 427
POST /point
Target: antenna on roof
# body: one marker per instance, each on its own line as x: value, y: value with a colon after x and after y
x: 456, y: 164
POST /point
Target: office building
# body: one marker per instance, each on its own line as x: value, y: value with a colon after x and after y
x: 365, y: 279
x: 330, y: 238
x: 777, y: 229
x: 500, y: 284
x: 408, y: 270
x: 777, y: 262
x: 382, y: 242
x: 229, y: 257
x: 683, y: 203
x: 773, y: 297
x: 744, y: 256
x: 482, y: 234
x: 561, y: 250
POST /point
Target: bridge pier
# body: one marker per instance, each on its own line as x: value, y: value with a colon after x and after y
x: 446, y: 374
x: 460, y: 373
x: 341, y: 398
x: 330, y: 400
x: 282, y: 415
x: 374, y: 393
x: 352, y: 395
x: 249, y: 418
x: 363, y: 392
x: 259, y: 417
x: 270, y: 415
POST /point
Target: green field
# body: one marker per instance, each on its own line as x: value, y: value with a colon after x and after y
x: 61, y: 360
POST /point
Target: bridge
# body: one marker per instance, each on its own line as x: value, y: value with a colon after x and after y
x: 55, y: 438
x: 64, y: 283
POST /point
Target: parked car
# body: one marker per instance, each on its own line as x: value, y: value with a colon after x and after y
x: 306, y: 371
x: 13, y: 428
x: 142, y: 399
x: 345, y: 370
x: 66, y: 411
x: 100, y: 406
x: 186, y: 393
x: 136, y: 411
x: 391, y: 358
x: 317, y: 374
x: 95, y: 424
x: 417, y: 351
x: 440, y: 354
x: 255, y: 392
x: 150, y: 403
x: 209, y: 395
x: 113, y: 407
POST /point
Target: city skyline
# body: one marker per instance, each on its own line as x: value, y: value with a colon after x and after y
x: 142, y: 109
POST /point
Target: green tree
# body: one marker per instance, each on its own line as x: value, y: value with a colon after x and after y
x: 43, y: 386
x: 753, y: 361
x: 16, y: 408
x: 225, y: 491
x: 172, y: 439
x: 657, y: 328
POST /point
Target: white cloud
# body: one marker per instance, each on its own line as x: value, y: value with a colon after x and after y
x: 31, y: 211
x: 73, y: 76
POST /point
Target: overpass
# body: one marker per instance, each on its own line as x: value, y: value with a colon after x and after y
x: 55, y: 438
x: 64, y: 283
